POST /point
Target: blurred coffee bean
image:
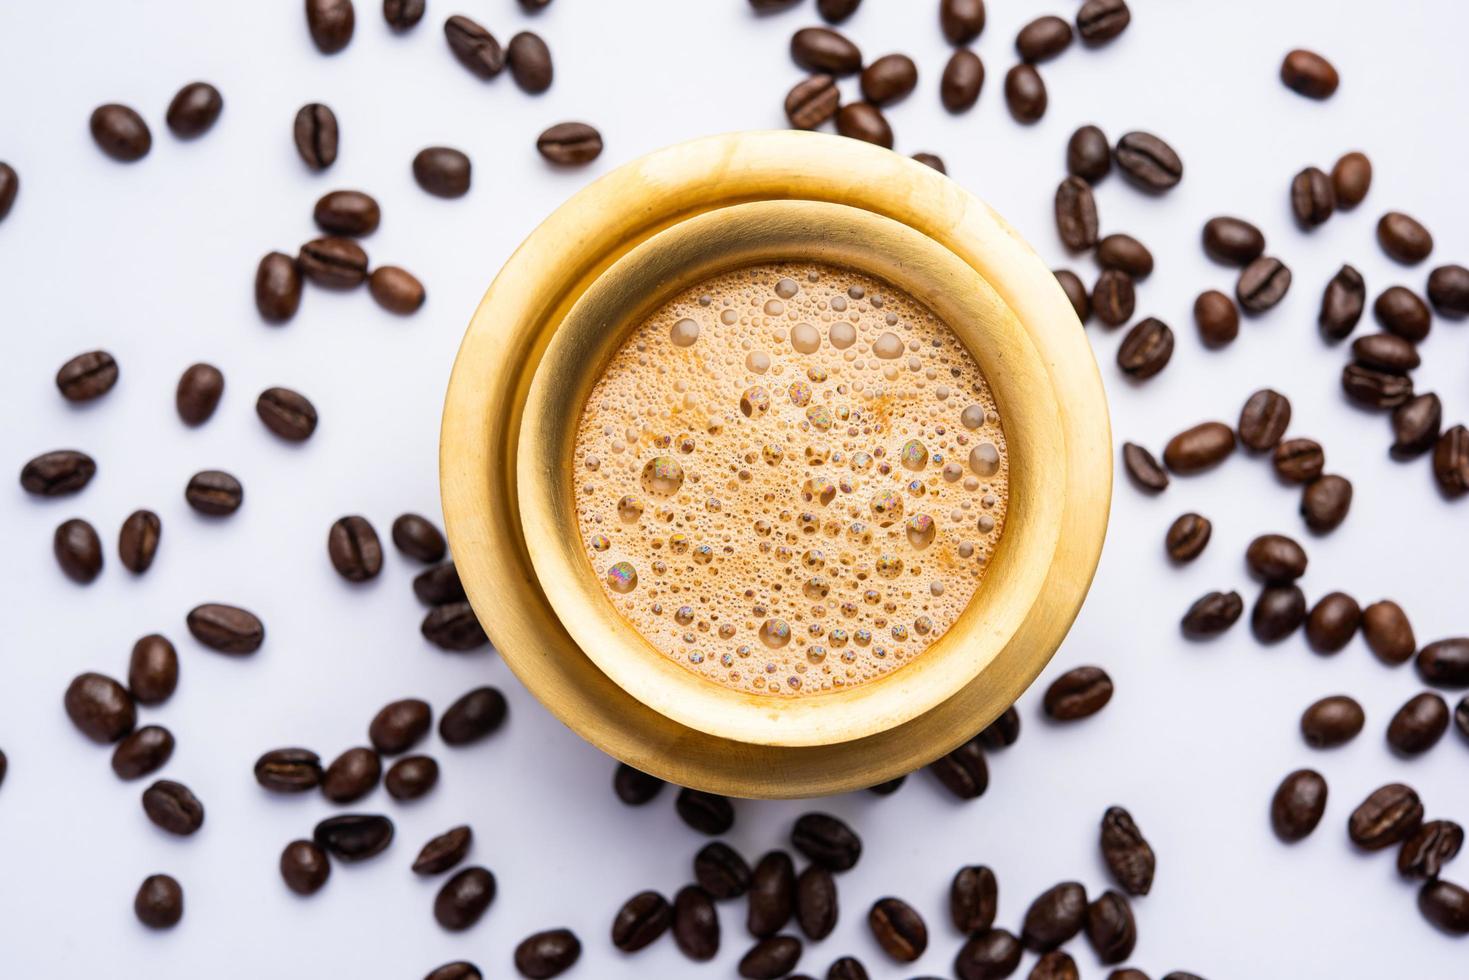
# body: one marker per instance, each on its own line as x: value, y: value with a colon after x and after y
x: 350, y: 213
x: 1143, y: 468
x: 444, y: 851
x: 1451, y: 461
x: 316, y: 134
x: 304, y: 867
x: 354, y: 836
x: 352, y: 775
x: 1119, y: 251
x: 1110, y: 928
x: 1076, y: 293
x: 1445, y: 663
x: 288, y: 770
x: 1424, y: 854
x: 1446, y: 905
x: 1415, y: 426
x: 842, y: 968
x: 396, y: 290
x: 57, y: 473
x: 1076, y: 214
x: 227, y: 629
x: 1448, y: 290
x: 720, y: 871
x: 812, y: 101
x: 1079, y: 693
x: 418, y: 538
x: 1325, y: 502
x: 988, y: 955
x: 1342, y: 303
x: 403, y: 15
x: 1088, y: 154
x: 1263, y: 420
x: 836, y: 11
x: 1312, y: 197
x: 438, y: 585
x: 1276, y: 558
x: 9, y: 188
x: 1262, y: 284
x: 474, y: 47
x: 633, y: 786
x: 173, y: 807
x: 159, y: 903
x: 1388, y: 633
x: 400, y: 725
x: 1199, y: 448
x: 816, y: 902
x: 1025, y: 93
x: 463, y: 899
x: 1298, y: 805
x: 332, y: 262
x: 1187, y: 537
x: 1419, y: 724
x: 1309, y: 74
x: 78, y: 550
x: 1332, y: 721
x: 932, y: 161
x: 100, y: 707
x: 1212, y: 614
x: 442, y: 171
x: 973, y: 899
x: 153, y: 670
x: 214, y: 493
x: 473, y: 716
x: 770, y: 959
x: 1099, y: 21
x: 411, y: 777
x: 708, y: 813
x: 695, y: 924
x: 1333, y: 622
x: 827, y: 841
x: 963, y: 771
x: 823, y: 49
x: 889, y: 79
x: 1400, y: 311
x: 277, y: 288
x: 570, y: 144
x: 772, y: 895
x: 1003, y: 731
x: 461, y: 969
x: 1054, y: 917
x: 87, y: 376
x: 865, y: 122
x: 143, y: 752
x: 194, y: 110
x: 199, y: 390
x: 1113, y: 297
x: 1148, y: 162
x: 1390, y: 814
x: 120, y: 133
x: 1043, y: 38
x: 1403, y: 238
x: 330, y: 23
x: 530, y: 62
x: 354, y: 549
x: 1350, y: 179
x: 547, y: 954
x: 1298, y: 460
x: 961, y: 20
x: 962, y: 81
x: 1278, y: 612
x: 641, y: 921
x: 1233, y: 241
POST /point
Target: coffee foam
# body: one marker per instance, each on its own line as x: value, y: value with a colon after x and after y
x: 789, y: 479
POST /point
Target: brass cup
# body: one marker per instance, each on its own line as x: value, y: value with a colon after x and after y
x: 550, y: 323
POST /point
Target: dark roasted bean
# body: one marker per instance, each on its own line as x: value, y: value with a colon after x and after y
x: 1332, y: 721
x: 354, y: 836
x: 865, y: 122
x: 1312, y: 198
x: 159, y: 903
x: 1276, y: 558
x: 770, y: 959
x: 842, y: 968
x: 1400, y: 311
x: 1262, y: 284
x: 1076, y: 293
x: 289, y: 414
x: 474, y: 716
x: 641, y: 920
x: 444, y: 851
x: 1003, y: 731
x: 1350, y: 179
x: 288, y: 770
x: 1197, y: 449
x: 1143, y: 468
x: 1187, y: 536
x: 1088, y: 154
x: 720, y: 871
x: 1333, y: 622
x: 1119, y: 251
x: 888, y: 79
x: 1025, y: 93
x: 1298, y: 804
x: 1055, y: 965
x: 100, y: 707
x: 1446, y: 905
x: 812, y: 101
x: 570, y: 144
x: 962, y: 81
x: 1299, y: 460
x: 708, y: 813
x: 227, y: 629
x: 973, y: 899
x: 277, y: 287
x: 1233, y: 241
x: 153, y: 670
x: 888, y: 787
x: 530, y: 62
x: 1263, y: 420
x: 350, y: 213
x: 403, y: 15
x: 442, y: 171
x: 1325, y: 502
x: 961, y: 20
x: 464, y: 898
x: 1424, y: 854
x: 1278, y: 612
x: 695, y: 924
x: 1342, y: 303
x: 1448, y: 290
x: 474, y: 47
x: 1212, y: 614
x: 1390, y: 814
x: 816, y: 902
x: 400, y: 725
x: 1126, y: 852
x: 461, y: 969
x: 396, y: 290
x: 1445, y: 663
x: 78, y: 550
x: 547, y: 954
x: 336, y: 263
x: 199, y: 390
x: 772, y: 896
x: 317, y: 135
x: 1415, y: 425
x: 1451, y: 461
x: 1110, y: 928
x: 144, y: 751
x: 1076, y: 214
x: 1385, y: 352
x: 1388, y: 633
x: 1403, y: 238
x: 87, y: 376
x: 633, y: 786
x: 172, y: 807
x: 1079, y: 693
x: 352, y: 775
x: 898, y: 929
x: 1419, y: 724
x: 1099, y: 21
x: 1043, y: 38
x: 120, y: 133
x: 1054, y: 917
x: 823, y: 49
x: 932, y: 161
x: 411, y: 777
x: 988, y: 955
x: 214, y: 493
x: 9, y: 188
x: 418, y: 538
x: 1309, y: 74
x: 827, y: 841
x: 57, y: 473
x: 836, y: 11
x: 304, y: 867
x: 330, y: 23
x: 1146, y: 349
x: 194, y: 110
x: 354, y: 549
x: 963, y: 771
x: 1148, y: 162
x: 1113, y: 297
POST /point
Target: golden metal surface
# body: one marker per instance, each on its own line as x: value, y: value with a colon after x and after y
x: 940, y: 244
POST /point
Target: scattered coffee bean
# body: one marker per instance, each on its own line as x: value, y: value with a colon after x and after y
x: 1111, y: 930
x: 1003, y: 732
x: 1055, y: 965
x: 396, y: 290
x: 121, y: 133
x: 1448, y: 290
x: 570, y: 144
x: 547, y: 954
x: 1350, y: 179
x: 403, y: 15
x: 865, y: 122
x: 1298, y: 805
x: 962, y: 80
x: 411, y: 777
x: 1076, y: 294
x: 1402, y: 312
x: 1333, y: 622
x: 1419, y: 724
x: 1403, y: 238
x: 1446, y: 905
x: 442, y: 171
x: 289, y: 770
x: 304, y: 867
x: 772, y: 896
x: 1299, y: 460
x: 708, y: 813
x: 1197, y: 449
x: 827, y: 841
x: 988, y: 955
x: 931, y: 161
x: 1276, y: 559
x: 1445, y: 663
x: 87, y: 376
x: 1076, y: 215
x: 720, y: 871
x: 100, y: 707
x: 143, y: 752
x: 350, y: 213
x: 1415, y: 426
x: 771, y: 958
x: 9, y: 188
x: 1332, y: 721
x: 1148, y: 162
x: 1451, y: 461
x: 695, y: 924
x: 354, y: 836
x: 317, y: 135
x: 1079, y: 693
x: 530, y: 62
x: 289, y: 414
x: 1187, y: 536
x: 227, y: 629
x: 1342, y: 303
x: 1025, y: 93
x: 1113, y: 297
x: 1325, y: 502
x: 1263, y: 420
x: 1309, y: 74
x: 1388, y: 633
x: 476, y: 715
x: 214, y: 493
x: 961, y: 20
x: 460, y: 969
x: 453, y: 627
x: 1143, y: 468
x: 889, y: 79
x: 354, y: 549
x: 1146, y: 349
x: 1312, y: 197
x: 842, y: 968
x: 836, y: 11
x: 1088, y: 154
x: 534, y: 6
x: 1385, y: 352
x: 1262, y: 284
x: 173, y: 807
x: 464, y: 898
x: 153, y: 670
x: 816, y: 902
x: 400, y: 725
x: 159, y: 903
x: 57, y: 473
x: 1390, y: 814
x: 823, y: 49
x: 444, y: 851
x: 963, y: 772
x: 1099, y: 21
x: 898, y: 929
x: 78, y: 550
x: 1212, y: 614
x: 1233, y: 241
x: 1278, y: 612
x: 277, y: 288
x: 1054, y: 917
x: 335, y: 263
x: 812, y: 102
x: 330, y: 23
x: 194, y: 110
x: 973, y: 899
x: 201, y: 386
x: 642, y: 920
x: 1043, y: 38
x: 474, y: 47
x: 1434, y: 844
x: 1127, y: 853
x: 1119, y: 251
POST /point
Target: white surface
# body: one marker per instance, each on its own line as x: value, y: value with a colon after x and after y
x: 154, y: 262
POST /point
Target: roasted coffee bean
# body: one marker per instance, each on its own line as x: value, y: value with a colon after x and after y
x: 277, y: 288
x: 159, y: 903
x: 887, y: 788
x: 1461, y: 721
x: 1054, y: 917
x: 1446, y: 905
x: 1298, y: 805
x: 100, y: 707
x: 1076, y: 214
x: 474, y: 716
x: 1419, y: 724
x: 288, y: 770
x: 1079, y: 693
x: 1389, y: 815
x: 865, y: 122
x: 931, y: 161
x: 1148, y: 162
x: 530, y: 62
x: 87, y: 376
x: 1350, y: 179
x: 1333, y: 622
x: 459, y: 969
x: 842, y: 968
x: 963, y: 771
x: 1233, y: 241
x: 962, y: 80
x: 1197, y: 449
x: 1217, y: 317
x: 400, y: 725
x: 57, y: 473
x: 1325, y: 502
x: 771, y: 958
x: 961, y: 20
x: 1309, y: 74
x: 1076, y: 294
x: 201, y: 386
x: 836, y: 11
x: 1263, y: 420
x: 1332, y: 721
x: 289, y: 414
x: 354, y: 836
x: 1415, y: 426
x: 1342, y: 303
x: 1262, y: 284
x: 547, y: 954
x: 214, y: 493
x: 1003, y: 732
x: 1312, y: 197
x: 78, y: 550
x: 1445, y: 663
x: 194, y: 110
x: 1278, y: 612
x: 9, y: 188
x: 444, y: 851
x: 1110, y: 929
x: 350, y: 213
x: 352, y: 775
x: 317, y: 135
x: 1113, y: 297
x: 1126, y: 852
x: 227, y: 629
x: 1448, y: 290
x: 1403, y: 238
x: 988, y: 955
x: 411, y: 777
x: 304, y: 867
x: 888, y: 79
x: 1385, y: 352
x: 336, y: 263
x: 172, y: 807
x: 1400, y: 311
x: 1025, y: 93
x: 1424, y: 854
x: 153, y: 670
x: 474, y: 47
x: 641, y: 920
x: 695, y: 924
x: 823, y: 49
x: 144, y: 751
x: 1055, y: 965
x: 1099, y: 21
x: 1187, y: 537
x: 1146, y: 349
x: 973, y: 899
x: 464, y: 898
x: 1119, y: 251
x: 1299, y: 460
x: 354, y: 549
x: 1143, y: 468
x: 708, y: 813
x: 898, y: 929
x: 816, y: 902
x: 1212, y: 614
x: 570, y: 144
x: 396, y: 290
x: 720, y: 871
x: 403, y: 15
x: 330, y: 23
x: 827, y: 841
x: 1276, y: 558
x: 772, y: 897
x: 453, y: 627
x: 1388, y: 633
x: 812, y: 101
x: 1088, y: 154
x: 1451, y: 461
x: 1043, y: 38
x: 442, y: 171
x: 120, y: 133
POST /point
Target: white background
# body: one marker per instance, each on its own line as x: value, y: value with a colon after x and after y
x: 154, y: 262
